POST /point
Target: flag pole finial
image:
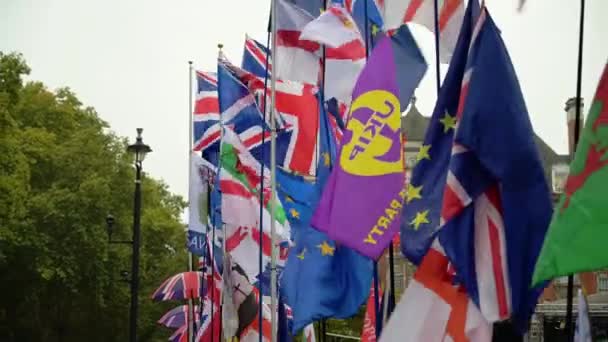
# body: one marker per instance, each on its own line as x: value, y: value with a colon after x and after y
x: 220, y: 46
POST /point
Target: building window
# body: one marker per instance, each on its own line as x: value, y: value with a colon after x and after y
x: 602, y: 282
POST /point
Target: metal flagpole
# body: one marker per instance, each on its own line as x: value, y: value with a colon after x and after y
x: 273, y: 185
x: 376, y: 290
x: 437, y: 62
x: 391, y: 287
x: 577, y: 129
x: 190, y: 143
x: 261, y: 235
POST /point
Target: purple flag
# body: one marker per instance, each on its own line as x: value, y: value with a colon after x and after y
x: 361, y: 203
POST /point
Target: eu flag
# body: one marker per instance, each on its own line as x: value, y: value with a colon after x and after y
x: 421, y: 212
x: 320, y: 279
x: 497, y: 203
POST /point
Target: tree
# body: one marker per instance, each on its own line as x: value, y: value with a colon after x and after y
x: 61, y: 172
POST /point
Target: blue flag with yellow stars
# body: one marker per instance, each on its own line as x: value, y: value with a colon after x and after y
x: 421, y: 212
x: 320, y: 279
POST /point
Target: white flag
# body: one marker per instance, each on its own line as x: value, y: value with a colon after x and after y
x: 200, y: 170
x: 451, y: 14
x: 583, y: 327
x: 430, y: 302
x: 296, y: 60
x: 345, y: 52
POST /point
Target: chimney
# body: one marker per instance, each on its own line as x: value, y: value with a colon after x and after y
x: 570, y: 119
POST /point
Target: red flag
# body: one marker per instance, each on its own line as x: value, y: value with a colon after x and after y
x: 368, y: 334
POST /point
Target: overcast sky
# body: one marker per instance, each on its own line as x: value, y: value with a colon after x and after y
x: 128, y: 59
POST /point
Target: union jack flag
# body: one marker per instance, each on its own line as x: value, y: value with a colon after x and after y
x: 185, y: 285
x: 206, y: 116
x: 495, y: 201
x: 462, y: 190
x: 209, y: 313
x: 177, y: 317
x: 255, y: 58
x: 298, y: 108
x: 180, y: 335
x: 238, y: 106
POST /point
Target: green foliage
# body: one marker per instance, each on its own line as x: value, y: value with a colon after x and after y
x: 61, y: 173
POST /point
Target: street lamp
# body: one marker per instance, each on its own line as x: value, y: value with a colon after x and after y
x: 139, y: 150
x: 110, y: 229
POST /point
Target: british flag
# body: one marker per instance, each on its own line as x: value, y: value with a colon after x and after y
x: 495, y: 202
x: 185, y: 285
x: 256, y: 57
x: 180, y: 334
x: 238, y: 106
x: 206, y: 116
x: 177, y: 317
x: 209, y: 313
x: 467, y: 178
x: 298, y: 120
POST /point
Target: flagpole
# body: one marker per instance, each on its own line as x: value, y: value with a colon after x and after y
x: 261, y: 234
x: 391, y: 265
x: 577, y: 128
x: 190, y: 143
x: 437, y: 62
x: 376, y: 292
x: 322, y: 327
x: 273, y: 185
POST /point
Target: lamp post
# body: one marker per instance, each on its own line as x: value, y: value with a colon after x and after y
x: 139, y: 150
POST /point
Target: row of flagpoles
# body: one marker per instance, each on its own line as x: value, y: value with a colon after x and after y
x: 314, y: 220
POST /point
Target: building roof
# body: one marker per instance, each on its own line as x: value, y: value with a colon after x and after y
x: 414, y: 126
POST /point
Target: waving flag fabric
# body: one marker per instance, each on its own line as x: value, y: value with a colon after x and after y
x: 320, y: 279
x: 201, y: 176
x: 255, y: 58
x: 345, y: 50
x: 583, y: 326
x: 298, y: 121
x: 297, y: 60
x: 421, y: 214
x: 368, y: 332
x: 177, y: 317
x: 496, y: 200
x: 358, y: 11
x: 334, y: 28
x: 238, y: 106
x: 451, y: 13
x: 361, y: 203
x: 580, y: 220
x: 180, y: 334
x: 495, y: 204
x: 433, y: 308
x: 312, y: 7
x: 240, y: 184
x: 185, y: 285
x: 206, y: 116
